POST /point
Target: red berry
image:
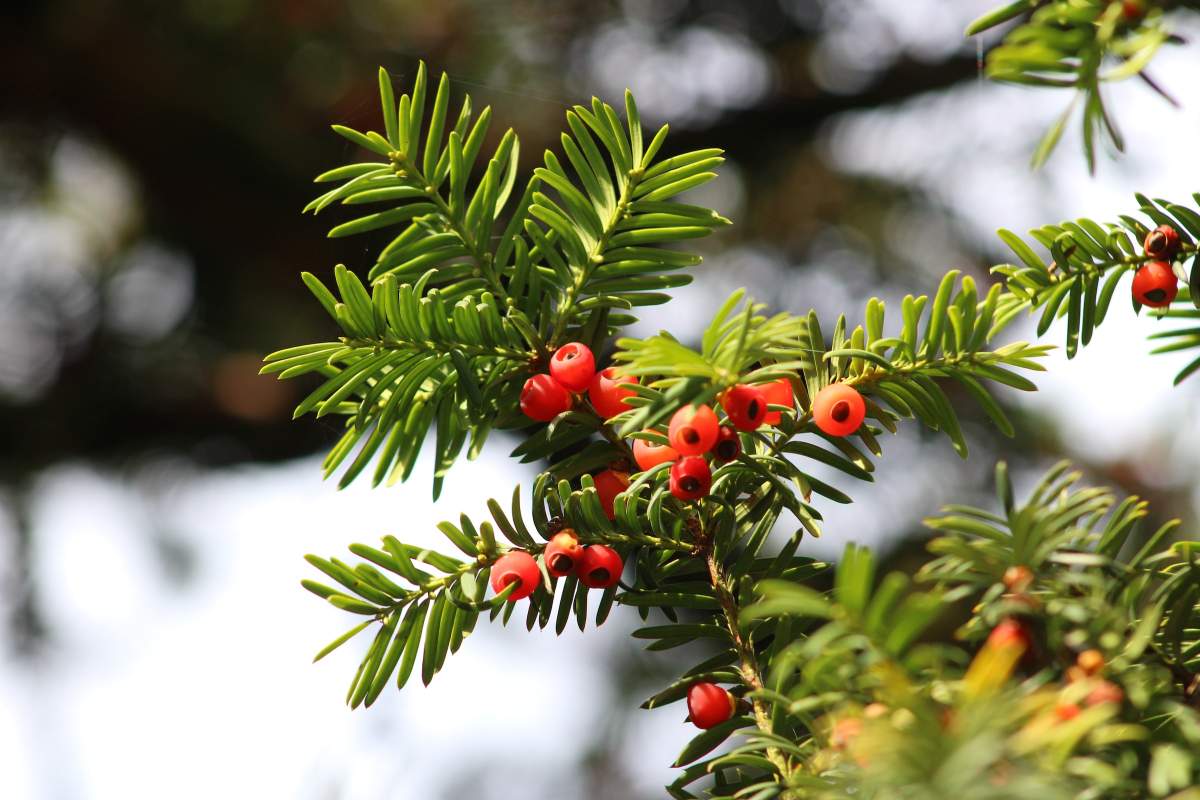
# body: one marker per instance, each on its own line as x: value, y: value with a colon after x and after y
x: 562, y: 553
x: 728, y: 446
x: 516, y: 566
x: 693, y: 430
x: 1154, y: 284
x: 746, y: 406
x: 573, y: 365
x: 649, y: 455
x: 599, y: 567
x: 1066, y: 711
x: 690, y: 478
x: 778, y: 393
x: 544, y: 398
x: 1009, y: 633
x: 609, y: 484
x: 1162, y: 242
x: 709, y: 705
x: 1133, y: 9
x: 607, y: 395
x: 839, y: 409
x: 1105, y: 692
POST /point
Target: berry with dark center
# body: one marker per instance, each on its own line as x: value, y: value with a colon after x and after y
x: 1162, y: 243
x: 778, y: 393
x: 728, y: 446
x: 562, y: 553
x: 649, y: 455
x: 1154, y: 284
x: 543, y: 398
x: 693, y: 430
x: 516, y: 567
x: 746, y: 406
x: 607, y: 394
x: 838, y: 409
x: 573, y: 365
x: 690, y: 478
x: 609, y: 484
x: 599, y: 567
x: 709, y: 705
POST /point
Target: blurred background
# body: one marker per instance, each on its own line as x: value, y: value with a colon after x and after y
x: 156, y: 499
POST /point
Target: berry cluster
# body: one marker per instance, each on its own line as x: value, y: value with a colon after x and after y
x: 1154, y: 283
x: 694, y: 436
x: 573, y: 372
x: 695, y: 431
x: 597, y: 566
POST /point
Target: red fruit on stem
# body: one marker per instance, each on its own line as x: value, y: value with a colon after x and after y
x: 1133, y: 10
x: 573, y: 365
x: 516, y: 566
x: 709, y: 705
x: 1009, y: 633
x: 1105, y: 692
x: 543, y: 398
x: 599, y: 567
x: 609, y: 484
x: 562, y: 553
x: 690, y: 478
x: 1162, y: 242
x: 649, y: 455
x: 745, y: 405
x: 728, y: 446
x: 607, y: 395
x: 693, y: 430
x: 1154, y: 284
x: 778, y: 393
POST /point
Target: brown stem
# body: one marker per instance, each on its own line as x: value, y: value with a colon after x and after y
x: 747, y: 659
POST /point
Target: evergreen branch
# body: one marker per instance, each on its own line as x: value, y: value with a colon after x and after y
x: 407, y: 361
x: 1088, y: 260
x: 441, y: 229
x: 1080, y: 45
x: 450, y: 603
x: 600, y: 237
